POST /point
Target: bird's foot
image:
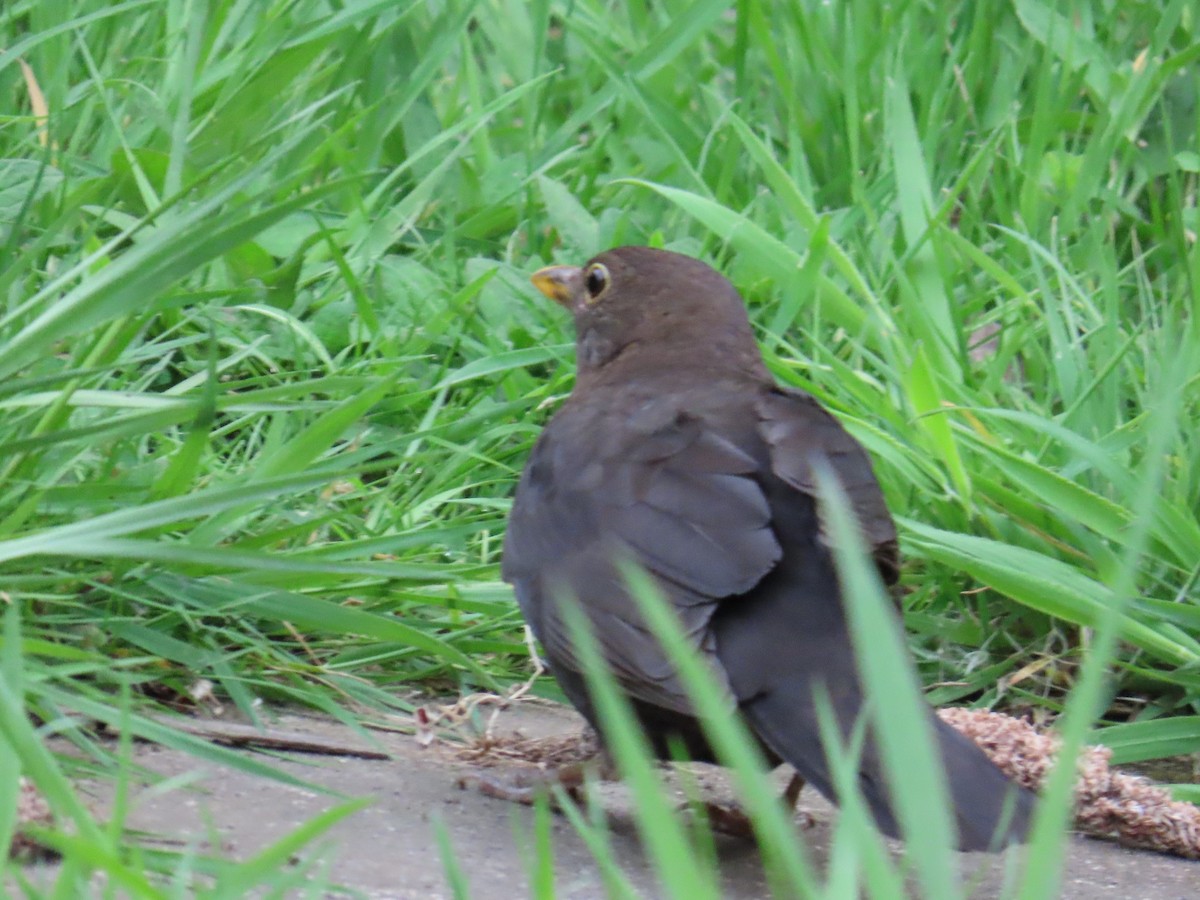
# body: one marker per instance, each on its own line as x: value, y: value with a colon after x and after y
x: 730, y: 819
x: 527, y: 784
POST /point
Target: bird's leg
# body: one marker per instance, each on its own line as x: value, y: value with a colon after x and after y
x: 791, y: 798
x: 791, y: 793
x: 731, y: 819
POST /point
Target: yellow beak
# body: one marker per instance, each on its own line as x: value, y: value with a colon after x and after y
x: 561, y: 284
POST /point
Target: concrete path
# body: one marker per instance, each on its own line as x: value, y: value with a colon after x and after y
x: 389, y: 850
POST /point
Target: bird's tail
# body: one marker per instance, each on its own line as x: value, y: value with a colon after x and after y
x: 990, y: 811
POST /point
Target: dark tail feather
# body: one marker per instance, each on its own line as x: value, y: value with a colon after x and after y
x: 991, y: 812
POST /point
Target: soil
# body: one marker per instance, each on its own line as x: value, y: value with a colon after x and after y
x: 390, y: 848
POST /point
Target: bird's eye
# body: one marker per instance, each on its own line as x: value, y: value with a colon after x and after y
x: 596, y: 281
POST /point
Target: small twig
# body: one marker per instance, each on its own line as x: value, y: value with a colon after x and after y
x: 299, y: 639
x: 539, y: 669
x: 454, y: 714
x: 248, y: 736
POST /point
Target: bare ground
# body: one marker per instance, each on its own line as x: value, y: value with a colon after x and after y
x: 389, y: 849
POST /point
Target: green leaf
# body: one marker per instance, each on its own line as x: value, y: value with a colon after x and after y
x: 1154, y: 739
x: 759, y: 250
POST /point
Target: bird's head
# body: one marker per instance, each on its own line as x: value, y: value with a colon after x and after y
x: 638, y: 300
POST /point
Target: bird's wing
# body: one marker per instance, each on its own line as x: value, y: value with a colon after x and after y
x: 797, y: 429
x: 658, y: 487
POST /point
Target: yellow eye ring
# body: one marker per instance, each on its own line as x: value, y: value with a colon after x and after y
x: 595, y: 281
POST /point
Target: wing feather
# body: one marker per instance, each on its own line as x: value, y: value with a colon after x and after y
x: 797, y: 429
x: 670, y: 494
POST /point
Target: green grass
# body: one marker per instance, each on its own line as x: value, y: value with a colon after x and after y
x: 270, y: 364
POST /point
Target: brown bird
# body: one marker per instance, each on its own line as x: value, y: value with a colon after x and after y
x: 678, y: 449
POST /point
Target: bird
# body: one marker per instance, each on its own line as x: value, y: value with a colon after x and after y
x: 678, y: 449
